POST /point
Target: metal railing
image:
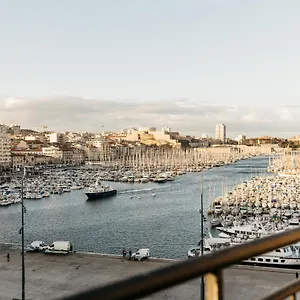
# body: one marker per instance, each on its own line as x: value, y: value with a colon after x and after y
x: 210, y: 266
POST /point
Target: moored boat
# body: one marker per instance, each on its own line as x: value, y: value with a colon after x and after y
x: 284, y: 257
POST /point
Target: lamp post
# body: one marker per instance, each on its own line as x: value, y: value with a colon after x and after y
x: 22, y: 233
x: 202, y: 292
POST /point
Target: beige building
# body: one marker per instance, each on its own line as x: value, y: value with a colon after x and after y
x: 5, y: 148
x: 72, y: 156
x: 105, y: 149
x: 52, y: 151
x: 29, y: 144
x: 153, y: 137
x: 20, y: 160
x: 91, y: 153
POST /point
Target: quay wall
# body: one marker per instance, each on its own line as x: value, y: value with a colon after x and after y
x: 59, y: 276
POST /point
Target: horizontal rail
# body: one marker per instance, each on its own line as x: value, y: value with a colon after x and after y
x: 285, y: 291
x: 177, y: 273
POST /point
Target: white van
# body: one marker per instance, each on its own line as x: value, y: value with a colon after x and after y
x: 60, y: 247
x: 140, y: 254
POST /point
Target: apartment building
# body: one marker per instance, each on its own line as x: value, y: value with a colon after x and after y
x: 5, y: 148
x: 57, y: 138
x: 72, y: 156
x: 221, y: 133
x: 52, y: 151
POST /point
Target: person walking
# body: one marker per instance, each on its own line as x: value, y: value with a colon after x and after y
x: 297, y: 275
x: 124, y: 252
x: 7, y: 257
x: 130, y: 253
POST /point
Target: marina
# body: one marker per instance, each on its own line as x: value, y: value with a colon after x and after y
x: 255, y: 208
x: 161, y: 217
x: 272, y: 201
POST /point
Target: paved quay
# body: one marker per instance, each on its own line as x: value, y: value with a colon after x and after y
x: 52, y: 277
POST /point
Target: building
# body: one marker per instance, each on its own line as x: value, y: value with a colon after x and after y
x: 14, y: 129
x: 5, y: 148
x: 72, y: 156
x: 29, y: 144
x: 241, y: 139
x: 57, y: 138
x: 154, y: 137
x: 91, y: 153
x: 21, y: 159
x: 54, y: 152
x: 221, y: 133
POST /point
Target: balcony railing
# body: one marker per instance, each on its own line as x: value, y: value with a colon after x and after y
x: 210, y: 266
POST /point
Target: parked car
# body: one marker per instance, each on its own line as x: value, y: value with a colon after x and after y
x: 37, y: 246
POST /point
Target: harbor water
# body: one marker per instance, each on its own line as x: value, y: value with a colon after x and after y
x: 163, y: 217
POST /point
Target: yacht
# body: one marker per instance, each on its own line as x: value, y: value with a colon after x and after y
x: 284, y: 257
x: 99, y: 191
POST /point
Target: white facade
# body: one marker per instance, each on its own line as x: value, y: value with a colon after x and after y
x: 240, y: 138
x: 53, y: 152
x: 5, y: 147
x: 96, y: 143
x: 166, y: 129
x: 57, y: 138
x: 30, y: 138
x: 221, y: 133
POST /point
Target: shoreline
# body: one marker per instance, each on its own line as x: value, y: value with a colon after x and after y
x: 98, y: 255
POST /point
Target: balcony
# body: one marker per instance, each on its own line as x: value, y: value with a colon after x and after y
x: 210, y: 267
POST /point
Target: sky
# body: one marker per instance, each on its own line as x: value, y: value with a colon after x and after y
x: 187, y: 64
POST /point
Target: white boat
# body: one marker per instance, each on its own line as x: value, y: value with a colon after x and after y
x: 285, y: 174
x: 281, y: 258
x: 218, y: 209
x: 215, y: 222
x: 294, y: 221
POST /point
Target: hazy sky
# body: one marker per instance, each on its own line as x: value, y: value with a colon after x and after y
x: 188, y: 64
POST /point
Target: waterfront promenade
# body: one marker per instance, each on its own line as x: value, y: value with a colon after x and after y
x: 50, y: 277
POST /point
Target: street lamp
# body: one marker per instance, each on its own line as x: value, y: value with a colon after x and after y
x: 22, y: 233
x: 202, y: 292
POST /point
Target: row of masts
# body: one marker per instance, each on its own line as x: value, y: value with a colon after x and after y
x: 287, y: 162
x: 151, y: 159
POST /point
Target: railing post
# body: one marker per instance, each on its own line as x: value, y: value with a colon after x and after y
x: 214, y: 286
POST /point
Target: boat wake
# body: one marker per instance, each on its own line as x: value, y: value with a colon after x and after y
x: 135, y: 191
x: 144, y: 190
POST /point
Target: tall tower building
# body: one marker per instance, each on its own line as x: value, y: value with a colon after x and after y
x: 221, y: 132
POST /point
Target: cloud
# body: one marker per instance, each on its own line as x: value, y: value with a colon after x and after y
x: 82, y: 114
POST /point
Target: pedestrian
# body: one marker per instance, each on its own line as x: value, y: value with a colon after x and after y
x: 7, y: 256
x: 130, y: 253
x: 124, y: 252
x: 297, y: 275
